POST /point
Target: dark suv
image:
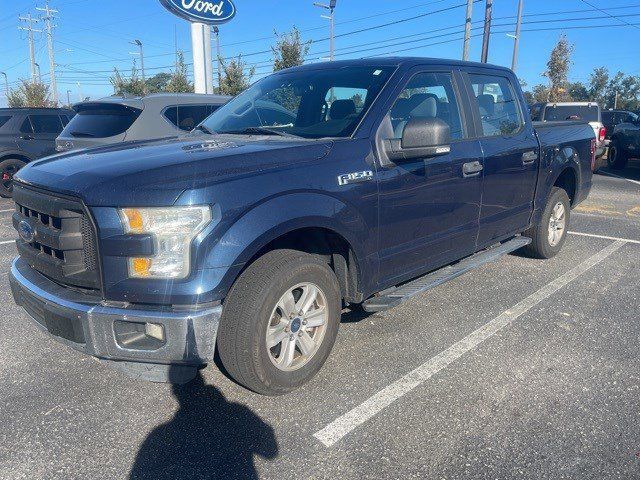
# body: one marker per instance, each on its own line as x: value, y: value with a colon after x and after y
x: 27, y: 134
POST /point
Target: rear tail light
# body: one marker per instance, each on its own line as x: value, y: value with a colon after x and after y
x: 601, y: 134
x: 593, y: 154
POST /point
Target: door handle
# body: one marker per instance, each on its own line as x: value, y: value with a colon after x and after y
x: 471, y: 169
x: 529, y: 157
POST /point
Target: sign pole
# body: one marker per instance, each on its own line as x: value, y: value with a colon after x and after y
x: 198, y: 48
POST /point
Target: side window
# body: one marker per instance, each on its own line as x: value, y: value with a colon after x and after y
x: 427, y: 95
x: 498, y: 105
x: 4, y: 119
x: 46, y: 123
x: 26, y: 126
x: 187, y: 117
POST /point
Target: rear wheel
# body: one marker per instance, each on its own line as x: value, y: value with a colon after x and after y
x: 548, y: 237
x: 279, y: 322
x: 8, y: 168
x: 617, y: 157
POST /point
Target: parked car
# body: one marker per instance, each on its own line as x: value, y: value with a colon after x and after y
x: 118, y: 119
x: 625, y: 139
x: 389, y: 177
x: 611, y: 118
x: 27, y: 134
x: 581, y: 111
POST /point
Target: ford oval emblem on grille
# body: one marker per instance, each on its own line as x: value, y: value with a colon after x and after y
x: 26, y: 231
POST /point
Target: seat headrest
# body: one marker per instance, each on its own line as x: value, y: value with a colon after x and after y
x: 341, y: 109
x: 487, y: 104
x: 426, y: 106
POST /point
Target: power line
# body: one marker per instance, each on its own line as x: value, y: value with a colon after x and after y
x: 608, y: 14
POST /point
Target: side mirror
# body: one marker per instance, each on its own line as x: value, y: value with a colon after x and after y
x: 421, y: 137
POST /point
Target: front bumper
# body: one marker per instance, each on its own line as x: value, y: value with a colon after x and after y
x: 86, y: 323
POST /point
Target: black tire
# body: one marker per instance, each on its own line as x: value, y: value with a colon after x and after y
x: 8, y: 168
x: 617, y: 157
x: 541, y: 246
x: 247, y: 312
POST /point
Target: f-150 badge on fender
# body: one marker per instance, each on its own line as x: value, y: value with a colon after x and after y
x: 355, y: 177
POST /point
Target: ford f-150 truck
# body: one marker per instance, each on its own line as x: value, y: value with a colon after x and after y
x: 373, y: 180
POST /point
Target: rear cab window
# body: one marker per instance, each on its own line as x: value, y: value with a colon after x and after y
x: 587, y: 113
x: 101, y: 120
x: 497, y: 105
x: 4, y: 119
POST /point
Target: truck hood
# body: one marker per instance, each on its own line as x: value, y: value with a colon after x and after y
x: 155, y: 173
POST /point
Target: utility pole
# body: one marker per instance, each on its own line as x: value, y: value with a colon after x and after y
x: 331, y: 7
x: 80, y: 92
x: 48, y: 16
x: 487, y: 31
x: 615, y: 101
x: 29, y: 20
x: 68, y: 98
x: 516, y: 42
x: 38, y: 72
x: 141, y: 53
x: 216, y: 32
x: 6, y: 84
x: 467, y: 30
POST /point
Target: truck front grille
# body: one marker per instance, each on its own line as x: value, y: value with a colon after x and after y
x: 62, y: 245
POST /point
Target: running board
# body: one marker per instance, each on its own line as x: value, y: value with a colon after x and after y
x: 396, y: 295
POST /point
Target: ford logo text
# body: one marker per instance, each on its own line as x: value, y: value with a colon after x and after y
x: 25, y: 230
x: 202, y: 11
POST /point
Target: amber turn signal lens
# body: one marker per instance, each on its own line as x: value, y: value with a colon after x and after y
x: 134, y: 218
x: 141, y: 266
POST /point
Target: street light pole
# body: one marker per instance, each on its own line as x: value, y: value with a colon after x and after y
x: 68, y: 98
x: 6, y: 84
x: 514, y: 60
x: 331, y: 7
x: 216, y: 31
x: 139, y: 44
x: 38, y: 72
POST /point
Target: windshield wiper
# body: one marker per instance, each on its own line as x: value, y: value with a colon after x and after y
x: 205, y: 129
x: 262, y: 131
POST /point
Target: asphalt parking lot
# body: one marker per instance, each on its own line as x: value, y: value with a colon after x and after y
x: 524, y: 368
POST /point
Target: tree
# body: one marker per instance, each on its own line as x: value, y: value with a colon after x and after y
x: 179, y: 81
x: 558, y: 70
x: 234, y: 80
x: 578, y: 92
x: 598, y: 81
x: 158, y: 83
x: 540, y: 93
x: 127, y: 86
x: 626, y: 88
x: 30, y: 93
x: 289, y: 50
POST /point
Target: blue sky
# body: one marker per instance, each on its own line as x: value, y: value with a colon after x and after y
x: 92, y: 36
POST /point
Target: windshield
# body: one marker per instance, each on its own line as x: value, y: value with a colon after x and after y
x: 588, y: 113
x: 310, y: 104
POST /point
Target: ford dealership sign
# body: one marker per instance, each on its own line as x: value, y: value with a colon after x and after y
x: 201, y: 11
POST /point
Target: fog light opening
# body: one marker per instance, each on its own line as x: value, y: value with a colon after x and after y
x: 139, y: 336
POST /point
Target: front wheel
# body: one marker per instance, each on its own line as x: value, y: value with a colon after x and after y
x: 617, y: 158
x: 8, y: 168
x: 279, y: 322
x: 548, y: 237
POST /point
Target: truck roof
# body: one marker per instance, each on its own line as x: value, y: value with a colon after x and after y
x: 395, y: 62
x: 160, y: 98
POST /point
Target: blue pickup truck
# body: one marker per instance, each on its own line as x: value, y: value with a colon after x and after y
x: 364, y: 183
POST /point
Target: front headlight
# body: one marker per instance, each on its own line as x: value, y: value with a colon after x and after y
x: 173, y: 229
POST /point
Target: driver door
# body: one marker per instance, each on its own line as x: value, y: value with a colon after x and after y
x: 428, y: 209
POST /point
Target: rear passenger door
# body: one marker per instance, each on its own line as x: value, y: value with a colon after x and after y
x: 38, y: 134
x: 511, y: 156
x: 428, y: 210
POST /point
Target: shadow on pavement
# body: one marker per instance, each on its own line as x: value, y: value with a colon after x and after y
x: 631, y: 171
x: 208, y: 438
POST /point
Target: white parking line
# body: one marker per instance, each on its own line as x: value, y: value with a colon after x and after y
x: 344, y: 424
x: 605, y: 237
